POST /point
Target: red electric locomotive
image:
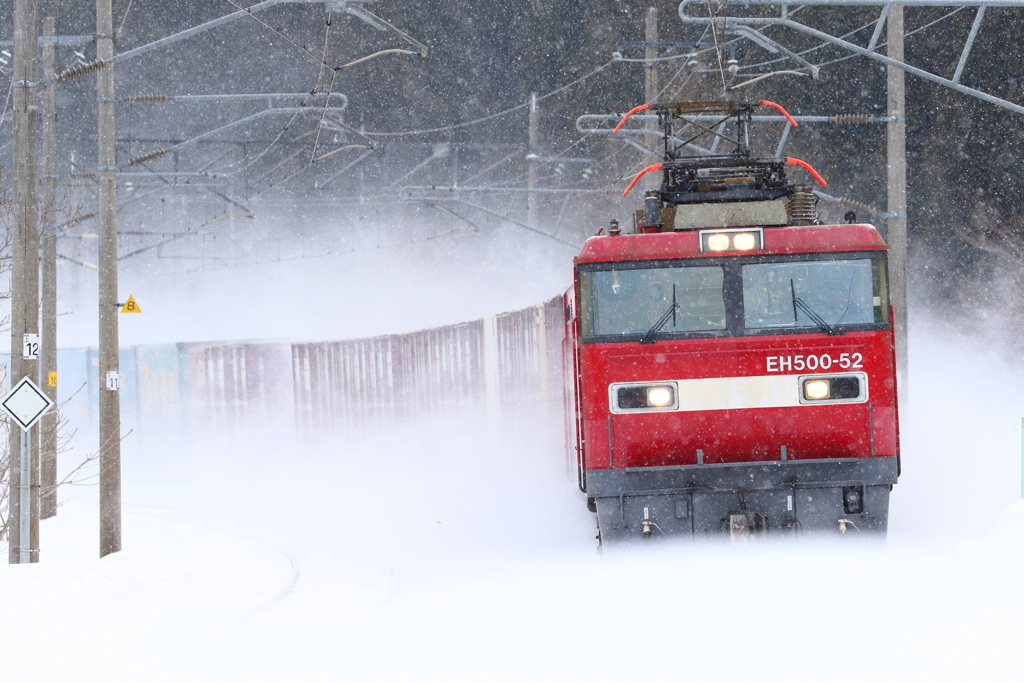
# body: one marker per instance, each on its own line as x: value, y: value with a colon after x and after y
x: 731, y: 363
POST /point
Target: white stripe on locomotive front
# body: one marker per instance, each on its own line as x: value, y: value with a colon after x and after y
x: 737, y: 393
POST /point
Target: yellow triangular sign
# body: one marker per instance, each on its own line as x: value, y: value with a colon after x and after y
x: 131, y: 306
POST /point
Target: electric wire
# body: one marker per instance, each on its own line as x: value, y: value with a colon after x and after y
x: 718, y: 49
x: 815, y: 48
x: 601, y: 162
x: 654, y: 59
x: 905, y: 35
x: 330, y: 89
x: 123, y: 19
x: 783, y: 72
x: 847, y: 35
x: 667, y: 85
x: 7, y: 101
x: 274, y: 30
x: 497, y: 114
x: 323, y: 57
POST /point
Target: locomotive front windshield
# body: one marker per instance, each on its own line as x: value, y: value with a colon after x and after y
x: 795, y: 294
x: 684, y: 298
x: 630, y: 301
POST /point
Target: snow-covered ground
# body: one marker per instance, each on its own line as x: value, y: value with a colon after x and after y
x: 441, y: 552
x: 457, y: 549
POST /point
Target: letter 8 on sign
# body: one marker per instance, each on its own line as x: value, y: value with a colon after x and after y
x: 131, y: 306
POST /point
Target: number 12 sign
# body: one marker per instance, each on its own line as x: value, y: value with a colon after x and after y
x: 30, y: 347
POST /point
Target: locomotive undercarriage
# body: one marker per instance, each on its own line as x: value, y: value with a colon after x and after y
x: 782, y: 499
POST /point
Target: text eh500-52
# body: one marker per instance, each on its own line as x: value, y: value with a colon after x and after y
x: 845, y: 361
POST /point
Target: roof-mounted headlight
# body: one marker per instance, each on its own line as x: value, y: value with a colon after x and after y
x: 747, y: 239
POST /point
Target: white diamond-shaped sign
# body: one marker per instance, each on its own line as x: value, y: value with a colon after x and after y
x: 26, y: 403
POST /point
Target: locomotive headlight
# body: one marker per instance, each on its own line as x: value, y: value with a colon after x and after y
x: 642, y: 397
x: 744, y: 241
x: 816, y: 389
x: 732, y: 239
x: 717, y: 242
x: 844, y: 388
x: 659, y: 397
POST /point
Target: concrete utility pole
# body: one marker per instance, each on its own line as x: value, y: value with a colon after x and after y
x: 109, y: 399
x: 897, y: 191
x: 24, y: 275
x: 110, y: 395
x: 532, y: 198
x: 651, y: 52
x: 48, y: 235
x: 653, y: 180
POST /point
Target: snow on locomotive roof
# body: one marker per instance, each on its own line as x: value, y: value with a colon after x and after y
x: 792, y: 239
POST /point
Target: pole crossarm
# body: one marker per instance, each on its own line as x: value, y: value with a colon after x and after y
x: 239, y: 122
x: 737, y: 25
x: 63, y: 41
x: 214, y: 23
x: 409, y: 189
x: 159, y: 99
x: 376, y: 22
x: 612, y: 118
x: 858, y: 3
x: 332, y: 5
x: 773, y: 47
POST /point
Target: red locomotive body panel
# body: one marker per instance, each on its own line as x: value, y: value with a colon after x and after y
x: 790, y: 240
x: 857, y: 430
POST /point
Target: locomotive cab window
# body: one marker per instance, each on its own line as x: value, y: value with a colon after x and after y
x: 687, y: 298
x: 820, y: 294
x: 631, y: 301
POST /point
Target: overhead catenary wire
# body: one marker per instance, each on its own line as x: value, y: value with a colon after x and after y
x: 905, y: 35
x: 313, y: 56
x: 619, y: 58
x: 844, y: 36
x: 497, y: 114
x: 319, y: 78
x: 784, y: 72
x: 279, y: 33
x: 815, y: 48
x: 7, y: 102
x: 718, y: 49
x: 127, y: 9
x: 575, y: 144
x: 540, y: 98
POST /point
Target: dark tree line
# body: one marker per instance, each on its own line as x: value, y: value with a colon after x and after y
x: 964, y: 180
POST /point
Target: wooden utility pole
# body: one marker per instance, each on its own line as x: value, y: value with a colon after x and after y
x: 109, y: 384
x: 48, y: 323
x: 24, y: 481
x: 897, y: 191
x: 532, y: 200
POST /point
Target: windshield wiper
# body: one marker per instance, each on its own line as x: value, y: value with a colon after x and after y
x: 809, y: 312
x: 670, y: 313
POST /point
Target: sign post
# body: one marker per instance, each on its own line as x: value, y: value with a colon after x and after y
x: 25, y: 405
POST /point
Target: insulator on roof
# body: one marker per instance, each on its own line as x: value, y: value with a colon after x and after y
x: 802, y: 206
